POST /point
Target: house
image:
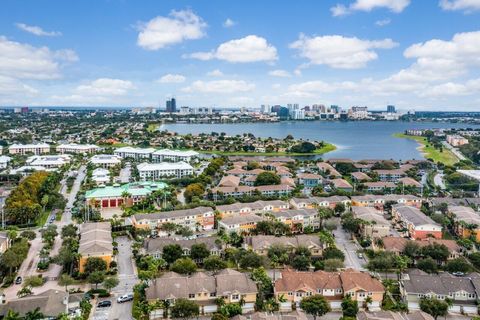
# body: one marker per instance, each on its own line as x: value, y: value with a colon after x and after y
x: 275, y: 190
x: 309, y: 180
x: 303, y: 203
x: 49, y: 161
x: 390, y: 175
x: 229, y: 181
x: 200, y: 218
x: 397, y: 245
x: 95, y: 241
x: 239, y: 224
x: 466, y: 221
x: 101, y: 176
x: 174, y: 155
x: 156, y: 171
x: 328, y: 170
x: 293, y: 286
x: 415, y: 223
x: 376, y: 225
x: 294, y: 315
x: 51, y: 303
x: 261, y: 244
x: 134, y: 153
x: 342, y: 184
x: 359, y: 176
x: 298, y: 219
x: 77, y: 148
x: 23, y: 149
x: 380, y: 186
x: 154, y: 247
x: 412, y: 183
x: 257, y: 207
x: 462, y: 291
x: 390, y: 315
x: 230, y: 285
x: 105, y: 160
x: 379, y: 200
x: 331, y: 202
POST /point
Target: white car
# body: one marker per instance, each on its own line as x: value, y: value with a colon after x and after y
x: 125, y: 298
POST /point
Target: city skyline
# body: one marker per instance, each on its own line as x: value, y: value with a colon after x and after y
x: 346, y: 52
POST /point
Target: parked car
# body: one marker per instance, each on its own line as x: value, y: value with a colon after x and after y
x: 125, y: 298
x: 18, y: 280
x: 104, y: 304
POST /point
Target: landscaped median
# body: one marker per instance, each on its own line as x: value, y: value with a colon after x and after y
x: 445, y: 156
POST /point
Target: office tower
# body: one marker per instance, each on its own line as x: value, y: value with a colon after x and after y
x: 391, y: 109
x: 171, y: 105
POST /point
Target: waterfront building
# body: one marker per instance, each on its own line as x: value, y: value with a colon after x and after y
x: 156, y: 171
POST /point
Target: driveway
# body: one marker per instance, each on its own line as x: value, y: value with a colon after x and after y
x: 67, y: 215
x: 349, y: 248
x: 125, y: 173
x: 438, y: 181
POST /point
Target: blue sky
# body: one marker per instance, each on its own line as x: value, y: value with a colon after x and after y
x: 416, y: 54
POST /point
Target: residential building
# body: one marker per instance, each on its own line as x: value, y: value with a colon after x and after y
x: 229, y: 181
x: 239, y: 224
x: 379, y: 200
x: 261, y: 244
x: 415, y: 223
x: 456, y: 140
x: 298, y: 219
x: 23, y: 149
x: 77, y: 148
x: 101, y: 176
x: 412, y: 183
x: 316, y: 202
x: 230, y: 285
x: 359, y: 176
x: 257, y: 207
x: 171, y: 105
x: 134, y: 153
x: 49, y: 162
x: 200, y: 218
x: 105, y: 160
x: 174, y: 155
x: 95, y: 241
x: 328, y: 170
x: 342, y: 184
x: 390, y: 315
x: 293, y: 286
x: 156, y: 171
x: 390, y: 175
x: 462, y: 291
x: 154, y: 247
x: 294, y: 315
x: 4, y: 160
x: 466, y: 221
x: 380, y: 186
x: 376, y: 225
x: 275, y: 190
x: 397, y: 245
x: 309, y: 180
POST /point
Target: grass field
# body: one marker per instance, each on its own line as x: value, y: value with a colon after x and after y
x: 429, y: 152
x: 327, y: 148
x: 152, y: 127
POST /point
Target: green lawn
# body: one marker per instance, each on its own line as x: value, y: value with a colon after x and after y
x: 42, y: 218
x: 152, y: 127
x: 327, y: 148
x: 445, y: 156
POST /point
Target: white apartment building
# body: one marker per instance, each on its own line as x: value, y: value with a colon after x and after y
x: 155, y: 171
x: 29, y: 148
x: 49, y: 162
x: 101, y: 176
x: 105, y: 160
x: 173, y: 155
x: 4, y: 160
x: 135, y: 153
x: 77, y: 148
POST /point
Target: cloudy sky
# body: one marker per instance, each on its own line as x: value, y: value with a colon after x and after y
x: 420, y: 54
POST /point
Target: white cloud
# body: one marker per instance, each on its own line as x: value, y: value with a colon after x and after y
x: 37, y: 30
x: 220, y: 86
x: 229, y: 23
x: 396, y: 6
x: 340, y: 52
x: 280, y: 73
x: 463, y: 5
x: 23, y: 61
x: 10, y: 86
x: 252, y: 48
x: 215, y: 73
x: 172, y: 78
x: 161, y: 32
x: 383, y: 22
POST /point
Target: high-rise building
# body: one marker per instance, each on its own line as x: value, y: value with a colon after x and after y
x: 391, y: 109
x: 265, y: 108
x: 171, y: 105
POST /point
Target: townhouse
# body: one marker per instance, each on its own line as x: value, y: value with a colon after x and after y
x: 462, y: 291
x: 390, y: 315
x: 23, y: 149
x: 239, y: 224
x: 49, y: 161
x: 315, y: 202
x: 293, y: 286
x: 466, y: 221
x: 229, y: 181
x: 134, y: 153
x: 257, y: 207
x: 298, y: 219
x: 156, y: 171
x: 341, y: 184
x: 174, y: 155
x: 390, y: 175
x: 204, y: 289
x: 379, y: 200
x: 411, y: 183
x: 380, y: 186
x: 105, y: 160
x: 275, y: 190
x: 359, y: 176
x: 415, y: 223
x: 95, y: 241
x: 375, y: 226
x: 309, y: 180
x: 154, y: 247
x: 397, y: 245
x: 328, y: 170
x: 261, y: 244
x: 77, y: 148
x: 200, y: 218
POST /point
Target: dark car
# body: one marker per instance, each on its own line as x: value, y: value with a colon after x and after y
x: 104, y: 304
x: 18, y: 280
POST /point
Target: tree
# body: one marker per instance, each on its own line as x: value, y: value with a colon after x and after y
x: 434, y: 307
x: 110, y: 283
x: 411, y: 249
x: 69, y: 231
x: 303, y: 147
x: 278, y: 254
x: 185, y: 309
x: 28, y: 234
x: 301, y: 263
x: 332, y: 264
x: 12, y: 315
x: 333, y: 253
x: 323, y: 214
x: 218, y: 316
x: 172, y: 252
x: 475, y: 259
x: 193, y: 190
x: 25, y: 291
x: 33, y: 281
x: 349, y: 307
x: 436, y: 251
x: 214, y: 263
x: 231, y: 310
x: 34, y: 314
x: 315, y: 305
x: 96, y: 277
x: 267, y: 178
x: 458, y: 265
x: 66, y: 280
x: 339, y: 208
x: 199, y: 251
x: 250, y: 260
x: 428, y: 265
x: 184, y: 266
x: 94, y: 264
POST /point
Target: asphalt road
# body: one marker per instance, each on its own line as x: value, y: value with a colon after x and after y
x: 125, y: 173
x: 67, y: 215
x: 438, y: 180
x: 349, y: 248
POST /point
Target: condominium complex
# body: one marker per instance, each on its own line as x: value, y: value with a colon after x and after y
x: 134, y: 153
x: 105, y: 160
x: 77, y: 148
x: 49, y: 162
x: 173, y: 155
x: 29, y: 148
x: 155, y: 171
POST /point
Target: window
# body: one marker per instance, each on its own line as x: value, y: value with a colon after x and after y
x: 191, y: 295
x: 235, y: 297
x: 290, y: 293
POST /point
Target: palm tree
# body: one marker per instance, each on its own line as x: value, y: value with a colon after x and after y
x: 368, y: 300
x: 12, y: 315
x: 34, y: 315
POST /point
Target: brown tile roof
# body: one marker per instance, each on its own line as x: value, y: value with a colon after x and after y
x: 397, y: 244
x: 352, y: 279
x: 229, y: 181
x: 360, y: 176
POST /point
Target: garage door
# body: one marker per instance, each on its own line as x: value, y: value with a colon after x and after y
x: 335, y: 304
x: 210, y: 309
x: 413, y: 306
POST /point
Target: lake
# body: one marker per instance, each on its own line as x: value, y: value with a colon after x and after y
x: 354, y: 139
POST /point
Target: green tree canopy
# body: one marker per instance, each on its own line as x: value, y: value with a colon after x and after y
x: 315, y: 305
